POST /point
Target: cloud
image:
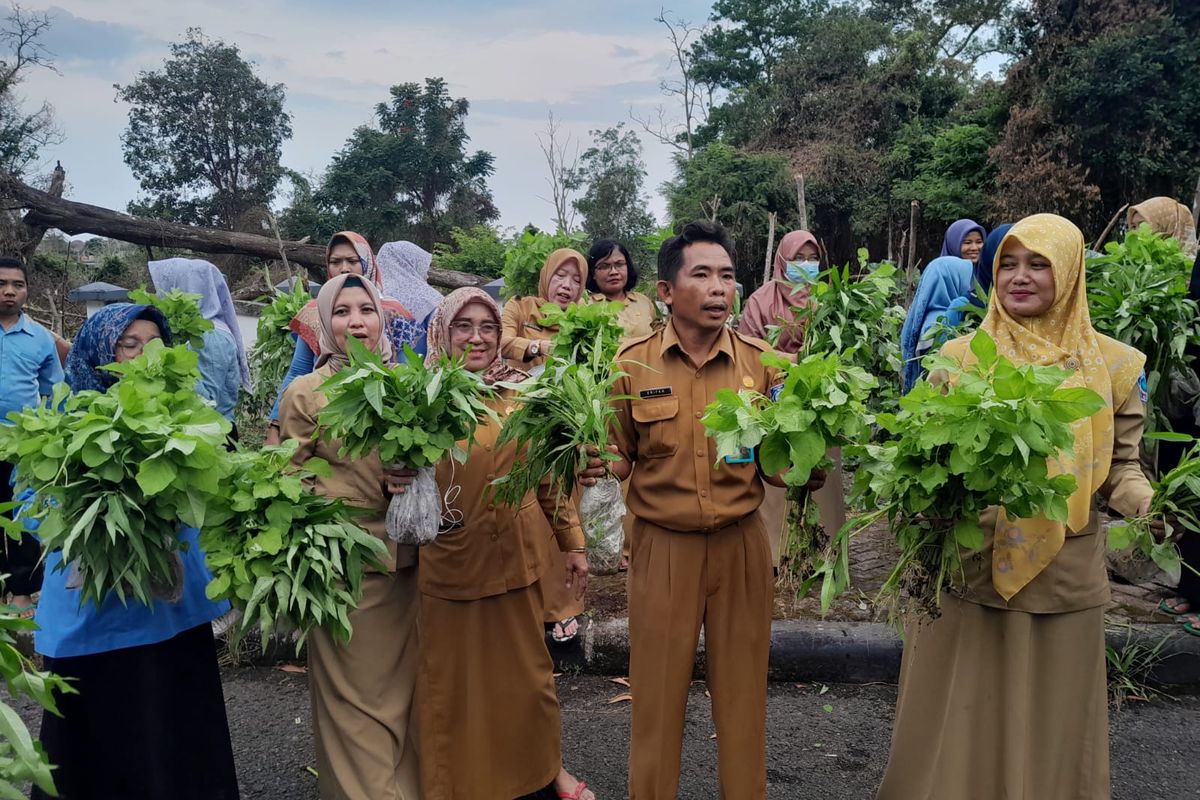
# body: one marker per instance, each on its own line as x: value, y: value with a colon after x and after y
x: 74, y: 39
x: 620, y: 51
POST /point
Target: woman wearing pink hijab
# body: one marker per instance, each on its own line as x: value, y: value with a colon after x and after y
x: 798, y: 260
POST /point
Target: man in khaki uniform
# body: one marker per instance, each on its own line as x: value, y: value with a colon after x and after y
x: 700, y: 552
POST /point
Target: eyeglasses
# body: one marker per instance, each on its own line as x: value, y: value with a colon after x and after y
x: 465, y: 330
x: 612, y: 266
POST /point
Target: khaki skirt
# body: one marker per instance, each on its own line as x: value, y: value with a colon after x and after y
x: 1001, y: 705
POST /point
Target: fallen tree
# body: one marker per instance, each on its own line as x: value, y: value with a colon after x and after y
x: 44, y: 210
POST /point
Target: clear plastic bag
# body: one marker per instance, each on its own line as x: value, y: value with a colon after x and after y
x: 602, y: 514
x: 415, y: 516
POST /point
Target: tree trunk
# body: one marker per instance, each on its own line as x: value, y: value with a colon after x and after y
x: 47, y: 211
x: 801, y: 202
x: 914, y: 218
x: 770, y: 246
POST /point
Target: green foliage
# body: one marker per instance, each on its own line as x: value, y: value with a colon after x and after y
x: 273, y: 347
x: 955, y: 179
x: 117, y: 472
x: 477, y: 250
x: 1176, y: 505
x: 611, y: 173
x: 411, y: 414
x: 982, y: 439
x: 819, y: 406
x: 182, y: 311
x: 22, y: 759
x: 525, y: 257
x: 1137, y: 293
x: 740, y: 189
x: 410, y: 176
x: 1130, y: 670
x: 859, y: 317
x: 586, y: 333
x: 564, y: 410
x: 289, y: 559
x: 204, y: 134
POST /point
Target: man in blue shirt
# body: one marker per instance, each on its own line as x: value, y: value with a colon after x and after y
x: 29, y: 368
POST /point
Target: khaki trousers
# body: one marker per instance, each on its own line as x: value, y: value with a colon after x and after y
x: 679, y: 582
x: 362, y: 696
x: 830, y: 500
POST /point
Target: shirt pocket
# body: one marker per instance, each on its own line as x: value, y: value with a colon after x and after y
x: 657, y: 427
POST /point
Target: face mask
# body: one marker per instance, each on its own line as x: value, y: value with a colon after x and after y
x: 802, y: 271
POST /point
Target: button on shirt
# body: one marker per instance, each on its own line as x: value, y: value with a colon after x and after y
x: 29, y: 365
x: 675, y: 484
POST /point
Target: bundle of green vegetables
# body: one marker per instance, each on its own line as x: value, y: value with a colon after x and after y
x: 288, y: 559
x: 22, y: 759
x: 116, y: 473
x: 981, y: 439
x: 525, y: 255
x: 1175, y: 508
x: 1138, y: 295
x: 560, y: 414
x: 273, y: 348
x: 413, y: 416
x: 818, y: 405
x: 182, y: 310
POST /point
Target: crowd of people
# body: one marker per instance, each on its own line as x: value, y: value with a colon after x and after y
x: 446, y: 690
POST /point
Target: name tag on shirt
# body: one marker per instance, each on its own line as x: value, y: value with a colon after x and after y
x: 659, y: 391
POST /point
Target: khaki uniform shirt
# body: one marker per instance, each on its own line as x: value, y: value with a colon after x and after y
x: 519, y: 327
x: 637, y: 316
x: 494, y: 548
x: 1077, y: 578
x: 359, y: 482
x: 676, y: 482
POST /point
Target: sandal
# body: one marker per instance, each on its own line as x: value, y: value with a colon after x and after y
x: 580, y: 788
x: 1192, y: 628
x: 1175, y: 606
x: 558, y: 632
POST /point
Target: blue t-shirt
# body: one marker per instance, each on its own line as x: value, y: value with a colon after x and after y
x: 67, y: 629
x: 29, y: 365
x: 220, y: 375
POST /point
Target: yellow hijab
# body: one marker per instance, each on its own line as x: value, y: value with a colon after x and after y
x: 553, y: 262
x: 1062, y: 337
x: 1170, y: 218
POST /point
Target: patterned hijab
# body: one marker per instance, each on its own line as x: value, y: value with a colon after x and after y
x: 197, y: 276
x: 1062, y: 337
x: 771, y: 303
x: 398, y: 322
x: 404, y: 269
x: 952, y: 242
x: 95, y: 344
x: 439, y: 332
x: 1170, y: 218
x: 331, y: 352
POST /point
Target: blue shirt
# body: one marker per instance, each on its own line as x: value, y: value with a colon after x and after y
x: 67, y: 629
x: 220, y: 375
x: 29, y: 365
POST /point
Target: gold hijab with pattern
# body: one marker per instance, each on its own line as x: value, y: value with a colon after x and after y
x: 1064, y: 337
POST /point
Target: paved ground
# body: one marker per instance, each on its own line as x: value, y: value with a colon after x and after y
x: 824, y: 742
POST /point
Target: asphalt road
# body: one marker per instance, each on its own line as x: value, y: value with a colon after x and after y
x: 824, y: 742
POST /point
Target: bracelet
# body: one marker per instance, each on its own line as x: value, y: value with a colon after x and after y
x: 578, y: 550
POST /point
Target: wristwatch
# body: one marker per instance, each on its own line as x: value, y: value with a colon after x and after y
x: 535, y: 349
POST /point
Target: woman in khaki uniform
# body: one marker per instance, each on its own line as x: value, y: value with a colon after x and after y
x: 490, y: 726
x: 612, y: 277
x: 1004, y: 694
x: 524, y: 341
x: 362, y: 691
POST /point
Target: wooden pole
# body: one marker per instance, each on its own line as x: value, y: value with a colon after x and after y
x: 801, y: 202
x: 1096, y: 245
x: 770, y: 246
x: 889, y: 237
x: 914, y: 218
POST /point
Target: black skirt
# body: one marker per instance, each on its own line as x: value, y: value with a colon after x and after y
x: 148, y: 724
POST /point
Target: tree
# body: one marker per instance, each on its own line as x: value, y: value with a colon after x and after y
x: 204, y: 135
x: 477, y: 250
x: 693, y: 96
x: 561, y: 163
x: 411, y: 176
x: 611, y: 173
x: 738, y: 190
x: 22, y: 133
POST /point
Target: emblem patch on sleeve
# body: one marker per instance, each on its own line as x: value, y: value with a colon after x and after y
x: 1143, y: 388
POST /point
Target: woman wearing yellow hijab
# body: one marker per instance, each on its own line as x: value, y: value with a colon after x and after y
x: 1004, y: 694
x: 1167, y: 216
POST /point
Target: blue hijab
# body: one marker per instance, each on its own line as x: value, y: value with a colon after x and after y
x: 958, y: 230
x: 984, y: 267
x: 95, y: 344
x: 945, y: 283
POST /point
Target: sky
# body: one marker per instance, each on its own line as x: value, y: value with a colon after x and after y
x: 516, y: 62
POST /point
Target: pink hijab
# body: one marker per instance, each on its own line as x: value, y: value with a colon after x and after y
x: 771, y: 303
x: 438, y: 343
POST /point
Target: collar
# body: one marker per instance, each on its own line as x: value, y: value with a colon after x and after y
x: 22, y: 325
x: 670, y: 339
